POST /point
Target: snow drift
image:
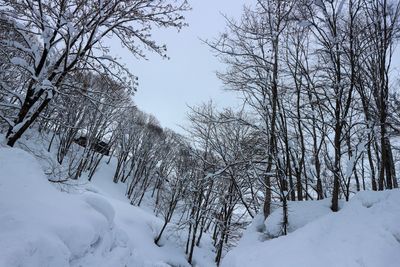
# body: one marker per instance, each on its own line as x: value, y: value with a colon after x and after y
x: 41, y: 226
x: 365, y: 232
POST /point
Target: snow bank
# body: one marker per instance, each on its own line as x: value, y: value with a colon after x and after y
x: 365, y: 232
x: 41, y: 226
x: 173, y: 241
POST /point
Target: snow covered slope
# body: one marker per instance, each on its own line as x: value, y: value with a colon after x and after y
x: 41, y: 226
x: 93, y: 225
x: 365, y: 233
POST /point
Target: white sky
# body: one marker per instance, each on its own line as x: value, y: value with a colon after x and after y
x: 166, y: 87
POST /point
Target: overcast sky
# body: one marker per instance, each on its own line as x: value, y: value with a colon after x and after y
x: 166, y: 87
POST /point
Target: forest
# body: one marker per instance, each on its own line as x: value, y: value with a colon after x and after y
x: 319, y: 117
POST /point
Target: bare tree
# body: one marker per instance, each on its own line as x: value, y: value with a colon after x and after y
x: 60, y: 37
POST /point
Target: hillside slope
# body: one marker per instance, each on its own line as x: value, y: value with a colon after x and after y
x: 41, y: 226
x: 94, y: 225
x: 365, y: 233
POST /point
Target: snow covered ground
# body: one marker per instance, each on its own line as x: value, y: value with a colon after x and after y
x: 365, y: 233
x: 93, y: 225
